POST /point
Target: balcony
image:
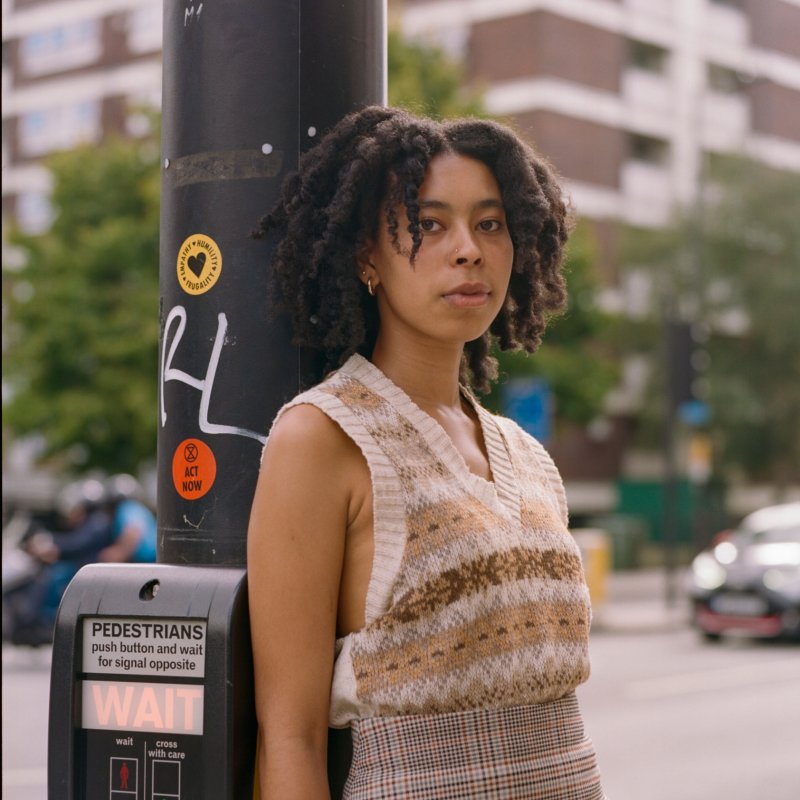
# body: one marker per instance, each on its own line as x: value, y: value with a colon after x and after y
x: 727, y: 23
x: 726, y: 121
x: 647, y: 193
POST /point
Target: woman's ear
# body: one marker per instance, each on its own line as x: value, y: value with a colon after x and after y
x: 366, y: 269
x: 367, y: 273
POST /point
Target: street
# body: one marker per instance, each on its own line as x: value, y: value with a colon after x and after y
x: 674, y: 717
x: 26, y: 678
x: 671, y: 717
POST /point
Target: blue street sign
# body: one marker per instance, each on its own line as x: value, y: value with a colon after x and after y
x: 529, y: 401
x: 695, y: 413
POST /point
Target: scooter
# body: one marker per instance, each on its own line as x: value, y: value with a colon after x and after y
x: 24, y: 585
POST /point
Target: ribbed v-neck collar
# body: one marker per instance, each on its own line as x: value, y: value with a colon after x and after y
x: 501, y: 493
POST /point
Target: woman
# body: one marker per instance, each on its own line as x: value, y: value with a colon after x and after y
x: 411, y: 573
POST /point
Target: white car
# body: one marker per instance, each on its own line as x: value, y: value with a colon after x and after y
x: 749, y: 579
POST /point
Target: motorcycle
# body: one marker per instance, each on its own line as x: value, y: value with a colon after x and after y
x: 24, y: 585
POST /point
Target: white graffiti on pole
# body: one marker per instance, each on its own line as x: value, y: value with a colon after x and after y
x: 205, y: 385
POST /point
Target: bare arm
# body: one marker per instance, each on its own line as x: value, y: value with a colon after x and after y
x: 295, y: 547
x: 123, y: 548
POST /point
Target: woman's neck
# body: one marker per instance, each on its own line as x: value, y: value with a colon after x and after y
x: 429, y: 376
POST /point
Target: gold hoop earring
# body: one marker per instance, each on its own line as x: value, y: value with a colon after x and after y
x: 369, y: 287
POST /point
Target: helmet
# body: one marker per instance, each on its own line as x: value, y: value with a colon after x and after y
x: 122, y: 487
x: 86, y: 495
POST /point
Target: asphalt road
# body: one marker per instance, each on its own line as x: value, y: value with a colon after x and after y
x: 671, y: 717
x: 26, y: 680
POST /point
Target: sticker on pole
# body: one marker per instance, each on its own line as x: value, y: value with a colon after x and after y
x: 194, y: 469
x: 199, y: 264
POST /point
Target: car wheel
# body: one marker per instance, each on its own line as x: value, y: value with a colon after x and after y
x: 711, y: 637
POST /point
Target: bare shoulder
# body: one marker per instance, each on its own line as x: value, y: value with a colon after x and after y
x: 309, y: 459
x: 307, y: 434
x: 303, y: 495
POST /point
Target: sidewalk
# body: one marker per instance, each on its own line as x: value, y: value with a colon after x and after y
x: 636, y: 602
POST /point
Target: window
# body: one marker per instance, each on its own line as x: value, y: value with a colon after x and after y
x: 646, y: 56
x: 648, y: 149
x: 59, y: 128
x: 64, y: 47
x: 725, y: 80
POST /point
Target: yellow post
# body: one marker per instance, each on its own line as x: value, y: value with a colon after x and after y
x: 595, y: 547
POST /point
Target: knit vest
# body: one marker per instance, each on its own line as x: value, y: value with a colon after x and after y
x: 477, y: 597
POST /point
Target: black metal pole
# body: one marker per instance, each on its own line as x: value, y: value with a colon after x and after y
x: 247, y: 88
x: 677, y: 388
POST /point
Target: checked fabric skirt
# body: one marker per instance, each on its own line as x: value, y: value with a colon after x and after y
x: 537, y: 752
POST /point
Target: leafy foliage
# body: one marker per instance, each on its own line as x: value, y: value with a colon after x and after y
x: 733, y: 264
x: 82, y: 344
x: 423, y: 80
x: 752, y: 257
x: 82, y: 316
x: 577, y: 357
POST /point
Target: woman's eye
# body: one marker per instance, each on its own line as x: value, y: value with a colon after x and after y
x: 489, y: 225
x: 429, y: 225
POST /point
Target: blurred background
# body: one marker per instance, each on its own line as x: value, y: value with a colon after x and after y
x: 668, y: 393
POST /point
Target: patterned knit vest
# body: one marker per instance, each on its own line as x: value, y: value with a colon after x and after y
x: 477, y: 597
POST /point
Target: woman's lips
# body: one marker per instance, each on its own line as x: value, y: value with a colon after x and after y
x: 468, y: 295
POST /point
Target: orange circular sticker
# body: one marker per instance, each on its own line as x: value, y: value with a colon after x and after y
x: 194, y: 469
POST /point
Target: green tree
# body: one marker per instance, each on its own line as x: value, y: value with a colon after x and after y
x: 82, y: 316
x: 424, y: 80
x: 733, y: 265
x: 578, y: 357
x: 82, y: 330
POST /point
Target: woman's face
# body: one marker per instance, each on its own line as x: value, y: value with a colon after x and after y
x: 459, y: 279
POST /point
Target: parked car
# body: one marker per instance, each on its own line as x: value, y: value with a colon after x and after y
x: 748, y: 580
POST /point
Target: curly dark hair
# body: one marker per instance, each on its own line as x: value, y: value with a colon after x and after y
x: 375, y: 159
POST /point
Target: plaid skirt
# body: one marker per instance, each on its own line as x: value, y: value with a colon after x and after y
x: 536, y: 752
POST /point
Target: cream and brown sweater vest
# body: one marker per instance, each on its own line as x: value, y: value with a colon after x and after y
x: 477, y: 597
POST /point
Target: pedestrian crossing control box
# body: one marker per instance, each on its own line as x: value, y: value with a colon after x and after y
x: 151, y: 692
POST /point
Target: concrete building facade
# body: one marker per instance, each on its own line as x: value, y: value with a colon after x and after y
x: 73, y: 72
x: 627, y: 97
x: 624, y: 96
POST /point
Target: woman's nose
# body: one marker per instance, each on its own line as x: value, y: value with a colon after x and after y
x: 466, y: 251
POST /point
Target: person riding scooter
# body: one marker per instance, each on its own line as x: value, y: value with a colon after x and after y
x: 106, y: 523
x: 30, y: 604
x: 133, y: 528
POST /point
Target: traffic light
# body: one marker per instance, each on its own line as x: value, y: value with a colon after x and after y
x: 687, y: 362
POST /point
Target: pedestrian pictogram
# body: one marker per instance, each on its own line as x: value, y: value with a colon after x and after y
x: 124, y: 778
x: 194, y: 469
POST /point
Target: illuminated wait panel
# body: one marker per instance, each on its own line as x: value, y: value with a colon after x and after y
x: 155, y: 707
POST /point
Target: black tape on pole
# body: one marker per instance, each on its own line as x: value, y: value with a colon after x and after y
x: 247, y: 88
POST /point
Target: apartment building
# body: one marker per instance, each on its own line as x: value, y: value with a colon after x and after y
x: 73, y: 71
x: 627, y: 97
